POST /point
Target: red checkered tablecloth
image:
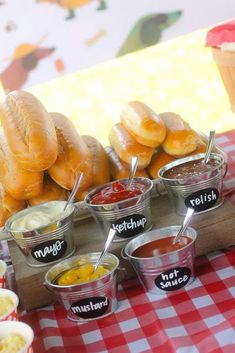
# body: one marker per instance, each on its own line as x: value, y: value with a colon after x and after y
x: 198, y: 319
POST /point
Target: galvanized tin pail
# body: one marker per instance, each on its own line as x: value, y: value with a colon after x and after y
x: 164, y: 273
x: 203, y: 192
x: 128, y: 217
x: 86, y: 301
x: 47, y: 244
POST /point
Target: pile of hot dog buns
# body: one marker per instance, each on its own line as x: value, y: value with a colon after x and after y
x: 42, y: 154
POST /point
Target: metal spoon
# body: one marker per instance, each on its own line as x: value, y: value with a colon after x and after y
x: 75, y: 188
x: 110, y: 237
x: 209, y: 146
x: 134, y: 164
x: 187, y: 218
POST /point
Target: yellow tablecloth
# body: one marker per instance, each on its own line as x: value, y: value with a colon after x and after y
x: 178, y: 75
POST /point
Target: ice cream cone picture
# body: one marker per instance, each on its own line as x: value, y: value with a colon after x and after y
x: 71, y: 5
x: 221, y: 39
x: 226, y: 66
x: 25, y: 58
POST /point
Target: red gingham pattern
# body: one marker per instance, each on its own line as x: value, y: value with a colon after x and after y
x: 3, y: 282
x: 198, y: 319
x: 3, y: 268
x: 13, y: 316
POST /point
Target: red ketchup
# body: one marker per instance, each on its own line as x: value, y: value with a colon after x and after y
x: 117, y: 192
x: 161, y: 246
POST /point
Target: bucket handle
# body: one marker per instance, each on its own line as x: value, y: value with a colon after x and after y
x: 158, y: 190
x: 226, y: 169
x: 123, y: 254
x: 49, y: 289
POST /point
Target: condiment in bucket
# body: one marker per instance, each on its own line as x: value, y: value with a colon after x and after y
x: 43, y: 233
x: 89, y: 297
x: 191, y: 168
x: 168, y: 244
x: 80, y: 274
x: 116, y: 192
x: 125, y: 208
x: 162, y: 265
x: 161, y: 246
x: 192, y: 183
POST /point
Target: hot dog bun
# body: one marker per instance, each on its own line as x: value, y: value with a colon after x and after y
x: 180, y: 138
x: 21, y: 184
x: 51, y: 192
x: 143, y: 124
x: 159, y: 159
x: 29, y: 130
x: 73, y: 155
x: 120, y: 169
x: 126, y: 146
x: 100, y: 166
x: 100, y: 162
x: 81, y: 194
x: 201, y: 147
x: 8, y: 205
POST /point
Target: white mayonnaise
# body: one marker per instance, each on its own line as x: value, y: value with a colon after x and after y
x: 40, y: 216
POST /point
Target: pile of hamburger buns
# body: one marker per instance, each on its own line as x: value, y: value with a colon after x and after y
x: 42, y: 154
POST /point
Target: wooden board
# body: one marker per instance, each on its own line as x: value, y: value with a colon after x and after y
x: 215, y: 229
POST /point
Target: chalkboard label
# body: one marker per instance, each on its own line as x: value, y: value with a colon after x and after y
x: 49, y: 251
x: 203, y: 199
x: 129, y: 226
x: 173, y: 279
x: 90, y: 308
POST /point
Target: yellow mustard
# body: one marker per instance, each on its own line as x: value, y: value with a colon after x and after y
x: 84, y: 273
x: 12, y: 343
x: 6, y: 304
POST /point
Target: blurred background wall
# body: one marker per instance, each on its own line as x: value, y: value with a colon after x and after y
x: 45, y: 39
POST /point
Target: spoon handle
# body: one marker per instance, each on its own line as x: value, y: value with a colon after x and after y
x: 75, y: 188
x: 210, y: 146
x: 134, y: 164
x: 110, y: 237
x: 187, y: 219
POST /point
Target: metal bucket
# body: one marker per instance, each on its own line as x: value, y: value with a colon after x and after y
x: 164, y: 273
x: 129, y: 217
x: 47, y: 244
x: 86, y: 301
x: 202, y: 192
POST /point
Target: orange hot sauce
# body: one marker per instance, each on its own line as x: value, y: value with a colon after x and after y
x: 161, y: 246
